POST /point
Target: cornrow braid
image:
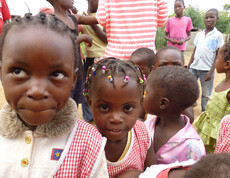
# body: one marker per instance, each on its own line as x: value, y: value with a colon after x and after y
x: 50, y: 22
x: 227, y: 52
x: 110, y: 67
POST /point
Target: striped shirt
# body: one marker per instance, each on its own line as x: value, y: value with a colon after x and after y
x: 130, y: 24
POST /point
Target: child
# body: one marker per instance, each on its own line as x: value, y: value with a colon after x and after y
x: 211, y: 166
x: 202, y: 62
x: 178, y: 28
x: 172, y: 56
x: 131, y: 24
x: 115, y: 90
x: 96, y: 51
x: 144, y: 58
x: 61, y: 11
x: 40, y: 135
x: 207, y: 124
x: 169, y: 90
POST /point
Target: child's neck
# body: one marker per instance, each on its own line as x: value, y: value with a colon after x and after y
x: 179, y: 16
x: 114, y: 149
x: 207, y: 30
x: 170, y: 121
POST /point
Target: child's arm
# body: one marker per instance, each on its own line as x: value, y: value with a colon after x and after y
x: 84, y: 38
x: 162, y: 15
x: 192, y: 58
x: 100, y: 33
x: 86, y: 20
x: 208, y: 76
x: 150, y: 157
x: 169, y: 39
x: 131, y: 174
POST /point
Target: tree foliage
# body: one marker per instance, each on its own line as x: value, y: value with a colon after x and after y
x: 196, y: 15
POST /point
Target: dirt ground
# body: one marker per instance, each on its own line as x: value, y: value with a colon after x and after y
x: 197, y: 109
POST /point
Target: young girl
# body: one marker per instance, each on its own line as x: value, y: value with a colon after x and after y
x: 169, y: 91
x: 207, y: 124
x: 40, y: 135
x: 114, y: 93
x: 172, y: 56
x: 178, y: 28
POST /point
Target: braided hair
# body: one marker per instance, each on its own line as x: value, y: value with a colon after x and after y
x: 41, y: 20
x: 110, y: 67
x: 227, y: 51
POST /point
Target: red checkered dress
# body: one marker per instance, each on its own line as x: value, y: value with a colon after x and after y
x: 135, y: 157
x: 223, y: 140
x: 82, y: 153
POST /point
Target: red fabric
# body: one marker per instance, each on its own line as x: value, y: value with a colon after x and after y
x: 82, y: 153
x: 223, y: 140
x: 165, y: 173
x: 4, y: 13
x: 134, y: 160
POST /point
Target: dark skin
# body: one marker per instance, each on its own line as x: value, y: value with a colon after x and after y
x: 168, y: 124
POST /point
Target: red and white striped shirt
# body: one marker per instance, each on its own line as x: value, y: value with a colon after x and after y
x: 130, y: 24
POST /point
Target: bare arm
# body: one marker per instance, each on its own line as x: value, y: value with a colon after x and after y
x: 169, y: 39
x: 100, y: 33
x: 208, y: 76
x: 86, y: 20
x: 192, y: 58
x: 150, y: 157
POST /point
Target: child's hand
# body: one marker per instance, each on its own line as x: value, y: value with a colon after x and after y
x: 84, y: 38
x: 208, y: 76
x: 180, y: 42
x: 173, y: 41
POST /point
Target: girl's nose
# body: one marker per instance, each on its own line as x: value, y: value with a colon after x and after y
x: 37, y: 89
x: 116, y: 118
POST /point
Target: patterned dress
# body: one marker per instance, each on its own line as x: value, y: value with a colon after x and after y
x: 207, y: 124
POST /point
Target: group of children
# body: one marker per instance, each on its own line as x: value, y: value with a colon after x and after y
x: 41, y: 136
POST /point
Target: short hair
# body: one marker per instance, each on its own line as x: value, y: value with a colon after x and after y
x: 169, y: 47
x: 42, y: 20
x: 226, y: 51
x: 182, y: 1
x: 214, y: 10
x: 180, y: 85
x: 146, y: 54
x: 110, y: 67
x: 211, y: 166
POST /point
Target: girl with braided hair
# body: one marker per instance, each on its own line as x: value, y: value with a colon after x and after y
x: 218, y: 106
x: 114, y: 90
x: 40, y: 135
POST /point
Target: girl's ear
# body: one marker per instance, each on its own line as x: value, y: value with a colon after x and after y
x: 164, y: 103
x: 74, y: 78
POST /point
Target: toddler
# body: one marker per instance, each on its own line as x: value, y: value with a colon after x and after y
x: 207, y: 124
x: 144, y: 58
x: 40, y: 135
x: 169, y: 91
x: 202, y: 62
x: 178, y: 28
x: 172, y: 56
x: 114, y: 92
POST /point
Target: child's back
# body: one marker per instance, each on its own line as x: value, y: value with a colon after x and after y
x: 173, y: 136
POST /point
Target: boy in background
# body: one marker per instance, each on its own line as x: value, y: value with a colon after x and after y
x: 202, y: 62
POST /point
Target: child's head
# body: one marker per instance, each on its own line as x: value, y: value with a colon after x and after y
x: 211, y: 166
x: 223, y: 58
x: 169, y: 56
x: 143, y: 57
x: 92, y: 6
x: 37, y: 67
x: 210, y: 18
x: 67, y: 4
x: 170, y: 89
x: 179, y: 7
x: 114, y: 92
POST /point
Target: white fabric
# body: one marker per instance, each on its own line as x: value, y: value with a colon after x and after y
x: 206, y: 47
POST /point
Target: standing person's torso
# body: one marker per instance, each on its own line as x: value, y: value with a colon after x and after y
x: 206, y: 47
x: 129, y: 25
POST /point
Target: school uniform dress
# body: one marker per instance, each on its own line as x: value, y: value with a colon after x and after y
x: 64, y: 147
x: 184, y: 145
x: 134, y: 157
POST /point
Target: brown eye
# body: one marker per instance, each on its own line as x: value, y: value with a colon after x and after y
x: 19, y: 72
x: 58, y: 75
